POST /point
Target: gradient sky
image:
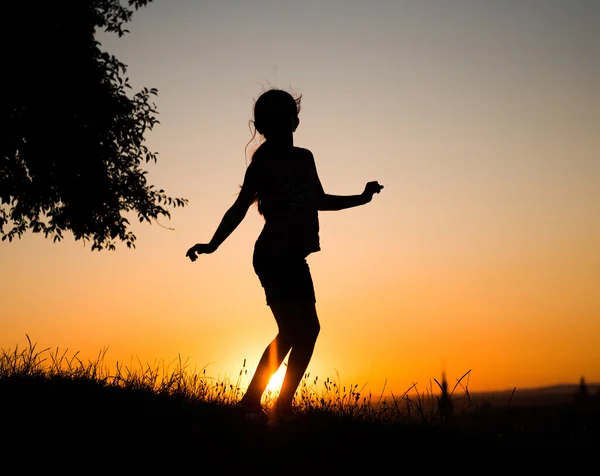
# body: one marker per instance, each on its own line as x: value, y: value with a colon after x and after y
x: 480, y: 118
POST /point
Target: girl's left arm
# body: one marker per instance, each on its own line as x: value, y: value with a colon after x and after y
x: 340, y: 202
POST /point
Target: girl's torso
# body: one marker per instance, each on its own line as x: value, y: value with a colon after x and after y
x: 286, y: 184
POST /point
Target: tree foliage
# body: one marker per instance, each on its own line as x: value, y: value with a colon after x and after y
x: 72, y: 139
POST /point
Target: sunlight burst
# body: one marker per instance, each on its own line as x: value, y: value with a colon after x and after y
x: 277, y: 379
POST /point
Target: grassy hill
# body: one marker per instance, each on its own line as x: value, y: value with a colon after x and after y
x: 64, y: 416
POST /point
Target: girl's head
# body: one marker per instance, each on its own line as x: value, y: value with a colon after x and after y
x: 276, y: 114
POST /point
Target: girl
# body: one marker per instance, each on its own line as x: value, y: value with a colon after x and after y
x: 282, y: 179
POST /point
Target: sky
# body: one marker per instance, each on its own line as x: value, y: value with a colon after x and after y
x: 480, y: 118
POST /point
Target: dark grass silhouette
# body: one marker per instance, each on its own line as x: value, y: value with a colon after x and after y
x: 62, y: 415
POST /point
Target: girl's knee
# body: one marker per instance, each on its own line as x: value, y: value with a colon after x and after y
x: 313, y: 325
x: 286, y: 338
x: 297, y: 322
x: 309, y: 332
x: 315, y: 329
x: 299, y: 332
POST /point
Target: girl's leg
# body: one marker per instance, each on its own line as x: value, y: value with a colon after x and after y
x: 306, y: 329
x: 298, y: 330
x: 268, y: 364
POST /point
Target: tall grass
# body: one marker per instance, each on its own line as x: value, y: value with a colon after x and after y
x: 176, y: 379
x: 62, y: 413
x: 65, y: 414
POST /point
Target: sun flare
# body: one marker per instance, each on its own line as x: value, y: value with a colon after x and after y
x: 276, y: 380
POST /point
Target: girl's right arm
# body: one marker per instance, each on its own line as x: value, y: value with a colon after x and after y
x: 232, y: 218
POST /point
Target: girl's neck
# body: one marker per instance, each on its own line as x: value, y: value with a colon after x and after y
x: 285, y: 142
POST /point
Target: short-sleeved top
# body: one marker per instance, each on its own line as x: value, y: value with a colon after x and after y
x: 287, y: 187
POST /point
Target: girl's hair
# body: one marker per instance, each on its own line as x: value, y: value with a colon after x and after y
x: 268, y: 109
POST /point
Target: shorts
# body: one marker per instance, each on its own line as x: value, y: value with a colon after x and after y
x: 285, y: 279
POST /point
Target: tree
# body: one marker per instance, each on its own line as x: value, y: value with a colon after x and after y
x: 72, y: 140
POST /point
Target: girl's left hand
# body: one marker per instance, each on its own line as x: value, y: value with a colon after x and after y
x: 370, y: 189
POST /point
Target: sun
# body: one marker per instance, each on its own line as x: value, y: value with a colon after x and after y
x: 276, y: 380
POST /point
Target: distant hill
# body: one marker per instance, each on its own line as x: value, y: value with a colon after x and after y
x: 553, y: 394
x: 533, y: 396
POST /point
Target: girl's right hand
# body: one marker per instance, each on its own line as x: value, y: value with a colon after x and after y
x: 200, y: 249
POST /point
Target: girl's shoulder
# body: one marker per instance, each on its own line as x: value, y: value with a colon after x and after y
x: 303, y: 151
x: 305, y: 154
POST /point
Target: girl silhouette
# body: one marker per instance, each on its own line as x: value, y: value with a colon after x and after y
x: 282, y: 179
